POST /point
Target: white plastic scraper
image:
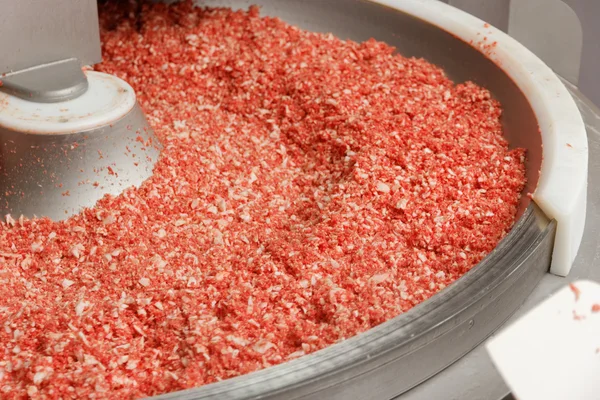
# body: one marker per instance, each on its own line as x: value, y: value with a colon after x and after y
x: 553, y: 352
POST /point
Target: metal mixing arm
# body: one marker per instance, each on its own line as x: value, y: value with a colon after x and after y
x: 44, y: 45
x: 67, y: 138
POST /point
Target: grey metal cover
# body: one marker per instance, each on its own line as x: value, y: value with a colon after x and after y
x: 34, y: 32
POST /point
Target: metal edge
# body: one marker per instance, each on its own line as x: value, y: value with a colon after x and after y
x: 367, y: 365
x: 47, y: 83
x: 57, y: 176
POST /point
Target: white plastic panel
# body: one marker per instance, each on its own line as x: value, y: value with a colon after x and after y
x: 562, y: 187
x: 537, y: 362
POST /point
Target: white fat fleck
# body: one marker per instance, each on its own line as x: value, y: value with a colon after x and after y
x: 9, y: 220
x: 213, y: 209
x: 253, y: 178
x: 66, y: 283
x: 26, y: 263
x: 217, y: 237
x: 80, y: 307
x: 89, y: 360
x: 145, y: 282
x: 77, y: 250
x: 161, y: 233
x: 158, y: 262
x: 36, y: 247
x: 262, y: 346
x: 245, y: 217
x: 221, y: 205
x: 383, y: 187
x: 401, y: 205
x: 378, y: 278
x: 296, y: 354
x: 179, y: 124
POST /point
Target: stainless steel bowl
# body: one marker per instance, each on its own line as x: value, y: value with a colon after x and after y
x: 397, y: 355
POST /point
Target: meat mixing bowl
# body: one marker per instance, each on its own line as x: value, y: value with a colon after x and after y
x: 539, y: 115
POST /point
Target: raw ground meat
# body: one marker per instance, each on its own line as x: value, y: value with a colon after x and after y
x: 310, y: 189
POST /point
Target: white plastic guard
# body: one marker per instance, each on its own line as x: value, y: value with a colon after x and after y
x: 562, y: 187
x: 553, y: 351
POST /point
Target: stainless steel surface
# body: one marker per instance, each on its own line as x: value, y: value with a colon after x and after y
x: 474, y: 376
x: 44, y: 45
x: 47, y: 83
x: 551, y: 29
x: 34, y: 32
x: 563, y: 33
x: 56, y: 176
x: 588, y: 12
x: 495, y: 12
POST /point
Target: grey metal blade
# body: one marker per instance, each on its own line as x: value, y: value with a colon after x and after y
x: 34, y: 32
